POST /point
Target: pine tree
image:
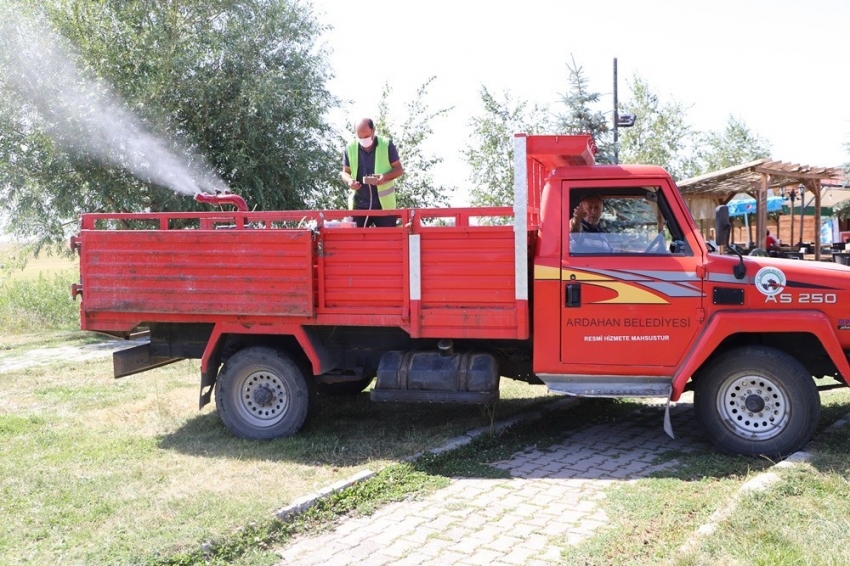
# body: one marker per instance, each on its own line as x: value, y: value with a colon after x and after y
x: 579, y: 116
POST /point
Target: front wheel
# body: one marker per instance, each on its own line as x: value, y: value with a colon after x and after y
x: 757, y: 401
x: 262, y: 394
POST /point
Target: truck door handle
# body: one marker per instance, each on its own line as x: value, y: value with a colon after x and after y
x: 572, y: 295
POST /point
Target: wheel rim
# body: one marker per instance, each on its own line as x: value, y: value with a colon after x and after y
x: 263, y: 399
x: 753, y: 406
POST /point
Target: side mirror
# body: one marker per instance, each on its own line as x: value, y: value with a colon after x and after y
x: 722, y: 232
x: 722, y: 226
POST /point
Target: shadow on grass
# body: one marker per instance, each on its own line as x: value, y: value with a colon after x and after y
x: 354, y: 431
x: 348, y: 431
x: 691, y: 456
x: 831, y: 450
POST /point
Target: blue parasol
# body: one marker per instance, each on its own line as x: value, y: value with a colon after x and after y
x: 742, y: 206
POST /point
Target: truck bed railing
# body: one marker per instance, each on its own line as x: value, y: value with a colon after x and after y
x: 288, y: 219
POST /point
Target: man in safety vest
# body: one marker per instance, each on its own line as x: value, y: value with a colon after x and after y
x: 370, y: 167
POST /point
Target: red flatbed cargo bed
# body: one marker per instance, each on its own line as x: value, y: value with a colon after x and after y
x: 248, y: 268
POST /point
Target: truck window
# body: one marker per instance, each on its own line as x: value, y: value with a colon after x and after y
x: 634, y: 221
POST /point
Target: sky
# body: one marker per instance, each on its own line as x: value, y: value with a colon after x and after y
x: 781, y: 66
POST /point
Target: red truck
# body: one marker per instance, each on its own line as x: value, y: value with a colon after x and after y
x: 278, y: 305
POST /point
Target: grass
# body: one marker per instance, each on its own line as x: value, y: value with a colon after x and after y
x: 802, y: 520
x: 101, y: 471
x: 37, y: 304
x: 35, y: 292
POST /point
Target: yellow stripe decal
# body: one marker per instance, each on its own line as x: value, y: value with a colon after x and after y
x: 629, y: 294
x: 546, y: 272
x: 569, y: 274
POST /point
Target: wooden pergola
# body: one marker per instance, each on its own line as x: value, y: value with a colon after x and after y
x: 755, y: 178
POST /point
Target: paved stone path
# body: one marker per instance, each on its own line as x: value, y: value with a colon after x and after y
x: 551, y: 500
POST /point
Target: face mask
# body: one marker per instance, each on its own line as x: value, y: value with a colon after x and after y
x: 366, y: 143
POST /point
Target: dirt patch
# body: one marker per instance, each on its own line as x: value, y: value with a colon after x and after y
x: 46, y: 356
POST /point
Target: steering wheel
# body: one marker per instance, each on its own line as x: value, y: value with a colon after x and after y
x: 657, y: 242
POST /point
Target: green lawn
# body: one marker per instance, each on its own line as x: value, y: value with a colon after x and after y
x: 95, y: 470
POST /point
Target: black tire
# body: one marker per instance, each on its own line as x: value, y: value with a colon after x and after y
x: 757, y: 401
x: 343, y: 388
x: 262, y: 394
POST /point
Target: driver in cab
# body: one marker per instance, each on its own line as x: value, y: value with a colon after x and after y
x: 586, y: 229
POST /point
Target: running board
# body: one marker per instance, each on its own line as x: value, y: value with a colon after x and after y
x: 607, y: 385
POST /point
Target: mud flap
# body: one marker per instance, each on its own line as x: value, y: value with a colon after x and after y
x: 668, y: 427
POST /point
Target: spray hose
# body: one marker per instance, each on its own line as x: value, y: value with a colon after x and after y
x: 223, y: 198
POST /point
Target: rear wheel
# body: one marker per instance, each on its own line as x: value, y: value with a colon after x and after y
x: 262, y: 394
x: 757, y: 401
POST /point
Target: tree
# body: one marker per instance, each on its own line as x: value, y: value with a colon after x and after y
x: 204, y: 94
x: 580, y: 118
x: 735, y: 145
x: 416, y: 188
x: 661, y: 135
x: 490, y: 153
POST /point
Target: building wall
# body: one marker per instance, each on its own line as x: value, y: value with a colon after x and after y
x: 781, y: 230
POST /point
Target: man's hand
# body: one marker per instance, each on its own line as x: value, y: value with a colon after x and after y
x: 353, y: 184
x: 578, y: 215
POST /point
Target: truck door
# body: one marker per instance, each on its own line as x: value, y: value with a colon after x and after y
x: 631, y: 293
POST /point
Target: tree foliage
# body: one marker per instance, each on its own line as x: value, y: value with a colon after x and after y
x: 735, y: 145
x: 222, y: 89
x: 661, y: 134
x: 490, y: 151
x: 416, y: 188
x: 580, y: 117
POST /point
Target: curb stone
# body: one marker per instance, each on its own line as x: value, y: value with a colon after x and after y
x: 304, y: 503
x: 498, y: 427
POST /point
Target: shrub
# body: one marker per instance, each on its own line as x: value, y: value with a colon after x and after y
x: 30, y: 305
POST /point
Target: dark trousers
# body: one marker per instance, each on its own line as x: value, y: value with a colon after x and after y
x: 378, y: 221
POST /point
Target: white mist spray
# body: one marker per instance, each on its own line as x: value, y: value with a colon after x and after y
x: 85, y: 116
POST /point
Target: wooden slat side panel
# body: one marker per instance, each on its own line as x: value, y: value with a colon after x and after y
x: 471, y: 269
x: 468, y: 283
x: 364, y: 269
x: 215, y: 272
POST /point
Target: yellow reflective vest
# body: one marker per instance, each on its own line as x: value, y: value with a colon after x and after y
x: 386, y: 192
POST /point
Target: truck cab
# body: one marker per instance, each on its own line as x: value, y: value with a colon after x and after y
x: 631, y: 303
x: 646, y: 308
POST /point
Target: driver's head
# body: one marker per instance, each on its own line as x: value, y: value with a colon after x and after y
x: 592, y: 206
